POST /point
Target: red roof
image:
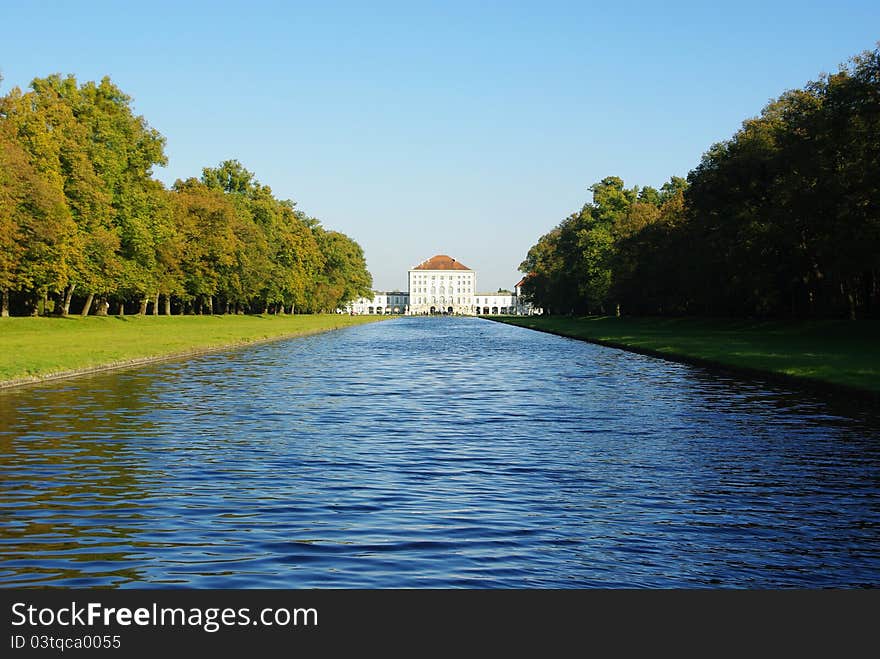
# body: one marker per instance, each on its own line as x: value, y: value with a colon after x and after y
x: 441, y: 262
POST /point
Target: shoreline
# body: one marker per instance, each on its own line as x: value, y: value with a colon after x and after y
x: 812, y: 383
x: 135, y: 362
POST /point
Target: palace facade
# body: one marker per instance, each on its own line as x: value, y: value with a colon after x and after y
x: 442, y: 285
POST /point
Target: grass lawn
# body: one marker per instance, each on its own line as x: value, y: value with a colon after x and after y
x: 843, y: 353
x: 40, y: 347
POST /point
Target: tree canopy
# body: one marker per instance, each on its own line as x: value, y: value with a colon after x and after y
x: 782, y: 219
x: 83, y: 219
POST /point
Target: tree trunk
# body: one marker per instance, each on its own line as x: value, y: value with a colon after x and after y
x: 210, y: 305
x: 121, y: 311
x: 156, y: 304
x: 142, y: 311
x: 88, y: 305
x: 265, y: 309
x: 4, y: 303
x: 45, y: 303
x: 167, y: 304
x: 68, y: 295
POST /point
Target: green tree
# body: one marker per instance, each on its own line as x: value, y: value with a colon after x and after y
x: 344, y: 276
x: 37, y: 145
x: 81, y: 214
x: 124, y: 149
x: 211, y: 250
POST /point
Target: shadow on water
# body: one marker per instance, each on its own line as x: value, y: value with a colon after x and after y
x: 441, y: 452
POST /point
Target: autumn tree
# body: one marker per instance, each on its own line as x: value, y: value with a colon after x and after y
x: 45, y: 247
x: 81, y: 217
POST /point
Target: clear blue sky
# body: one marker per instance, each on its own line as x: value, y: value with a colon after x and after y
x: 464, y: 128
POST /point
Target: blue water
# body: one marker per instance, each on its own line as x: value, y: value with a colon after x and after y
x: 435, y: 452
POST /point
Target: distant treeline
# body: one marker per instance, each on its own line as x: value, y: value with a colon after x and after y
x: 783, y: 219
x: 85, y: 227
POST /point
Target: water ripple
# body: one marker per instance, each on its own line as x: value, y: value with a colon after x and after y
x: 435, y: 453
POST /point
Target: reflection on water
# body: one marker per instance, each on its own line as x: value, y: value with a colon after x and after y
x: 434, y: 452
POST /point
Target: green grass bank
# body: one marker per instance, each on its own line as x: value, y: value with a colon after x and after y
x: 840, y: 354
x: 34, y: 349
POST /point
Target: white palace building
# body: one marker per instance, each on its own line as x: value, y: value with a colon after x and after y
x: 442, y: 285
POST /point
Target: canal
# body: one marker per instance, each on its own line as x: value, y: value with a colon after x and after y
x: 435, y: 452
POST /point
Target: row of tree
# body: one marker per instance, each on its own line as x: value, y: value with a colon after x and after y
x: 783, y: 219
x: 84, y: 224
